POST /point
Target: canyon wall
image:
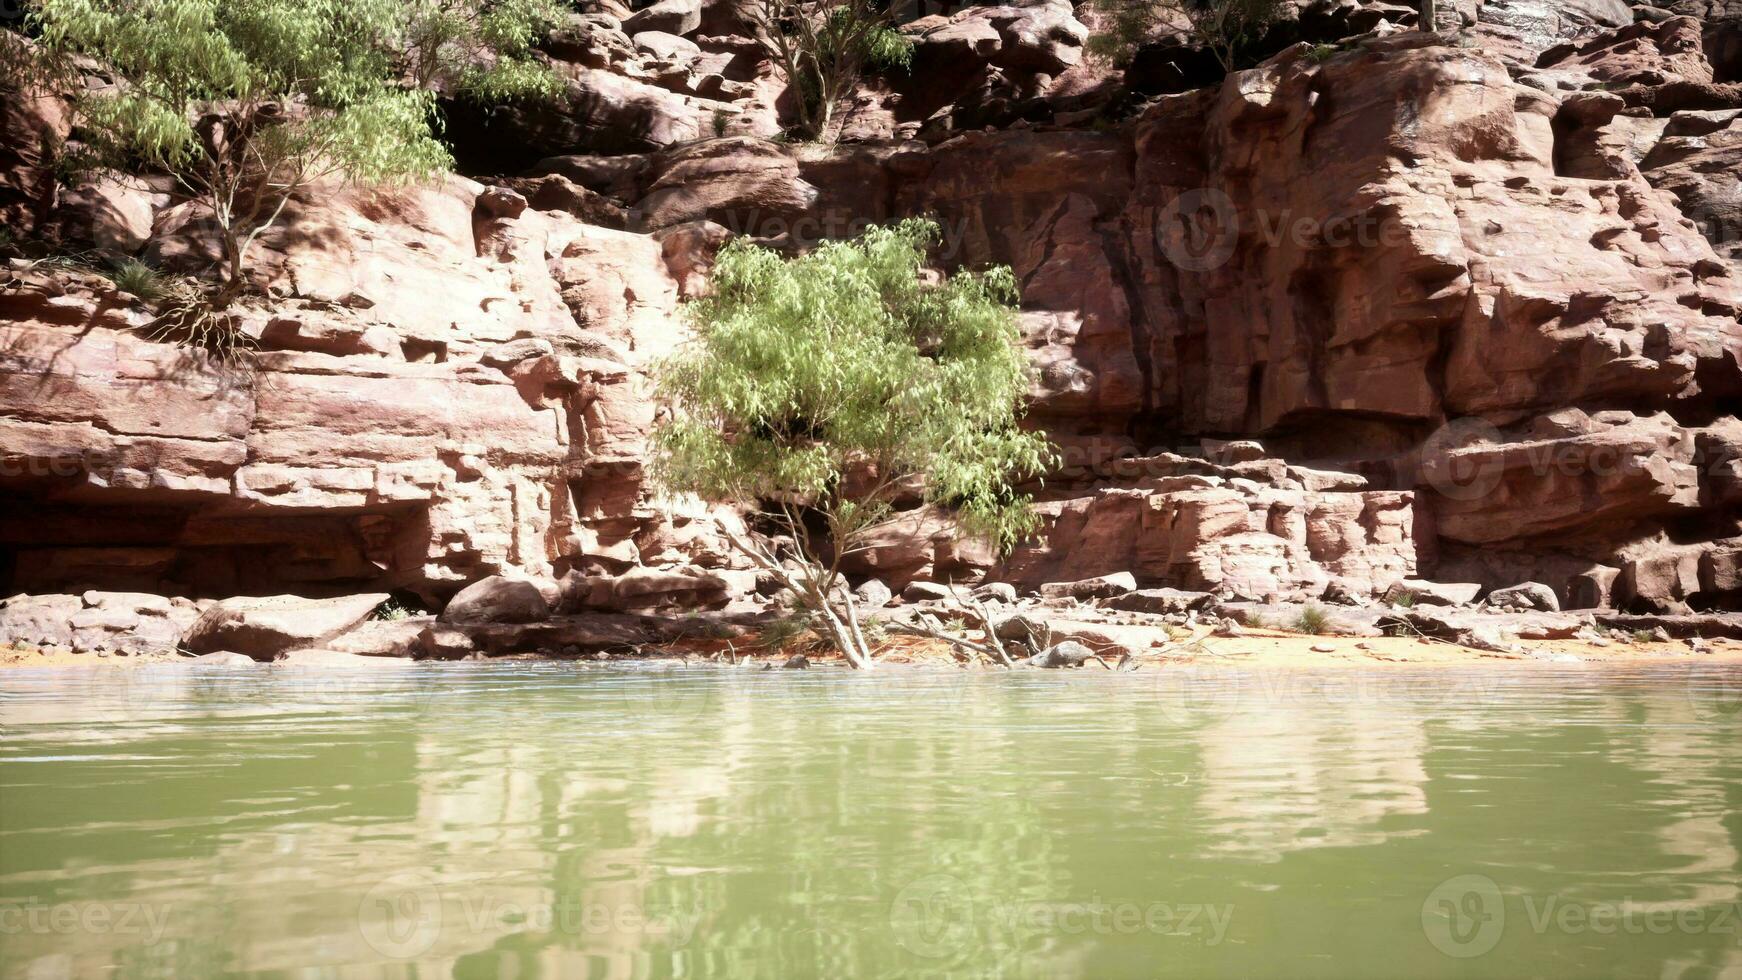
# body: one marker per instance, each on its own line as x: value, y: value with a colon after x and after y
x: 1391, y: 305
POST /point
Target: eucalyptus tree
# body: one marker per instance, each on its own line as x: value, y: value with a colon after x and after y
x: 818, y: 387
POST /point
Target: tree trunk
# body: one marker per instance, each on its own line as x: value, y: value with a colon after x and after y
x: 232, y: 285
x: 1429, y: 19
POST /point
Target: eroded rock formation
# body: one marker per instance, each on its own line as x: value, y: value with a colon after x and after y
x: 1457, y: 306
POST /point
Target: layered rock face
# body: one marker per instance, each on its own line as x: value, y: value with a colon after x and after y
x: 1415, y: 306
x: 447, y: 385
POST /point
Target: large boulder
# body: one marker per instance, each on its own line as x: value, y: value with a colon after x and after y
x: 1099, y: 587
x: 667, y: 16
x: 267, y: 626
x: 497, y: 599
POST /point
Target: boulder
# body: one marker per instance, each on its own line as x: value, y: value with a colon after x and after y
x: 873, y: 594
x: 1021, y: 626
x: 1099, y: 587
x: 647, y: 588
x: 667, y: 47
x: 224, y: 658
x: 267, y: 626
x: 926, y: 592
x: 1528, y: 595
x: 1159, y: 601
x: 40, y: 620
x: 996, y: 592
x: 1423, y: 592
x: 1070, y: 653
x: 497, y: 599
x: 667, y: 16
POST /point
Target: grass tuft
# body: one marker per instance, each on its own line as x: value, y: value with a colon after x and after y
x: 1312, y: 619
x: 134, y: 276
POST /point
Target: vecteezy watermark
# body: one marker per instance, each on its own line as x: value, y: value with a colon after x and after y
x: 1199, y: 229
x: 147, y: 920
x: 19, y: 465
x: 1715, y: 693
x: 939, y: 917
x: 1464, y: 916
x: 406, y: 914
x: 1193, y: 695
x: 1467, y: 916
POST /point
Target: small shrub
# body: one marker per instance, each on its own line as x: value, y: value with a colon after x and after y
x: 1321, y: 53
x: 721, y: 118
x: 1640, y: 636
x: 134, y: 276
x: 1312, y: 619
x: 1403, y: 599
x: 392, y: 611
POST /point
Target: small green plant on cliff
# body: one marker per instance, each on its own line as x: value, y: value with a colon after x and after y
x: 823, y: 47
x: 245, y: 103
x: 134, y: 276
x: 1226, y: 28
x: 817, y: 386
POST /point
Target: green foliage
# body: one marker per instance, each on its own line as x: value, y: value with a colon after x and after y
x: 823, y: 47
x: 887, y: 49
x: 1318, y: 54
x: 480, y: 50
x: 1403, y: 599
x: 134, y: 276
x: 848, y: 360
x: 246, y: 101
x: 1227, y: 28
x: 393, y: 610
x: 1312, y: 619
x: 721, y: 119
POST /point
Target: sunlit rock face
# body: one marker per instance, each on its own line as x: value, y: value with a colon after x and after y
x: 1464, y: 307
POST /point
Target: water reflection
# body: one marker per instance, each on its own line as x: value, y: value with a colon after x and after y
x: 557, y: 821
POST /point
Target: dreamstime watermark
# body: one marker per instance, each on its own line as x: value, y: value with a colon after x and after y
x: 938, y: 917
x: 1468, y: 915
x: 147, y: 920
x: 406, y: 914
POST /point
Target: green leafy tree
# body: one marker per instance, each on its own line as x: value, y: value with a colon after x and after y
x: 1224, y: 27
x: 479, y: 50
x: 824, y: 47
x: 244, y: 102
x: 850, y: 366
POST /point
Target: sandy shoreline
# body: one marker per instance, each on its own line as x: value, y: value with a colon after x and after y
x: 1253, y: 649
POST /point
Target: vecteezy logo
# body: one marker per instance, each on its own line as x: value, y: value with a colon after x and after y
x: 1716, y: 694
x: 1464, y: 916
x: 1462, y: 476
x: 1198, y: 230
x: 933, y: 917
x: 401, y: 917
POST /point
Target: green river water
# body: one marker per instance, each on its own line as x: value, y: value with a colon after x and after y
x: 554, y: 820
